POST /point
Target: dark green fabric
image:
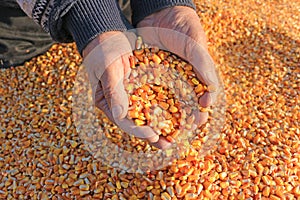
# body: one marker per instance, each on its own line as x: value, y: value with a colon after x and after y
x: 20, y: 38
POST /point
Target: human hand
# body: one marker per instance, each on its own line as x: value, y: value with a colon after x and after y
x: 106, y: 59
x: 179, y: 30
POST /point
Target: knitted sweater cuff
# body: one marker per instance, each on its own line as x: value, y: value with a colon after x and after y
x: 143, y: 8
x: 89, y: 18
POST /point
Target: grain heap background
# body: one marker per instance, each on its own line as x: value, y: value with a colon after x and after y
x: 256, y: 46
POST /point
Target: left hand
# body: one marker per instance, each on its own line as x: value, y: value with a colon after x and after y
x: 106, y: 59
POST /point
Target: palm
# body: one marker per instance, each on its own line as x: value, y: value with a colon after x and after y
x: 182, y: 19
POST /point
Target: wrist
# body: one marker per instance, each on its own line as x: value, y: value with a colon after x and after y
x: 174, y: 14
x: 97, y: 40
x: 142, y: 9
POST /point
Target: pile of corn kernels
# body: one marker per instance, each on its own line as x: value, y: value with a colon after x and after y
x: 256, y: 46
x: 163, y: 92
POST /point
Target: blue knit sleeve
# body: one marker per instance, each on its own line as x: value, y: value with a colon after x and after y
x: 76, y: 20
x: 143, y: 8
x: 82, y: 20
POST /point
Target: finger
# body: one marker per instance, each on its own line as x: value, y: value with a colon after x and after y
x: 162, y: 143
x: 195, y: 53
x: 142, y: 132
x: 200, y: 117
x: 208, y: 99
x: 205, y: 70
x: 126, y: 125
x: 101, y: 103
x: 113, y: 87
x: 150, y: 36
x: 131, y: 37
x: 210, y: 79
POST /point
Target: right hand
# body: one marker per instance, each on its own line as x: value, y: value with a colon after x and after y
x: 106, y: 59
x: 178, y: 30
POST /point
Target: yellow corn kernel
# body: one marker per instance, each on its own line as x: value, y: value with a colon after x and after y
x: 163, y: 105
x: 139, y: 122
x: 156, y: 59
x: 195, y: 81
x: 173, y: 109
x: 133, y: 114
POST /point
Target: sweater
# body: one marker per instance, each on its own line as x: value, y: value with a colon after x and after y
x: 82, y: 20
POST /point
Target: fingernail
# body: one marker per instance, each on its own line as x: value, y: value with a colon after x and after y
x: 116, y: 111
x: 153, y: 139
x: 205, y: 100
x: 194, y: 127
x: 211, y: 78
x: 213, y: 97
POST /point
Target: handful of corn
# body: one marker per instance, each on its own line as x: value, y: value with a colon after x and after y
x: 163, y: 91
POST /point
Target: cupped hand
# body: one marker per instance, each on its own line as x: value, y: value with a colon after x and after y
x: 106, y: 59
x: 178, y: 29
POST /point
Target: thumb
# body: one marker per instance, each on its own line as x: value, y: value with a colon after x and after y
x: 197, y: 55
x: 113, y: 87
x: 119, y: 102
x: 206, y: 71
